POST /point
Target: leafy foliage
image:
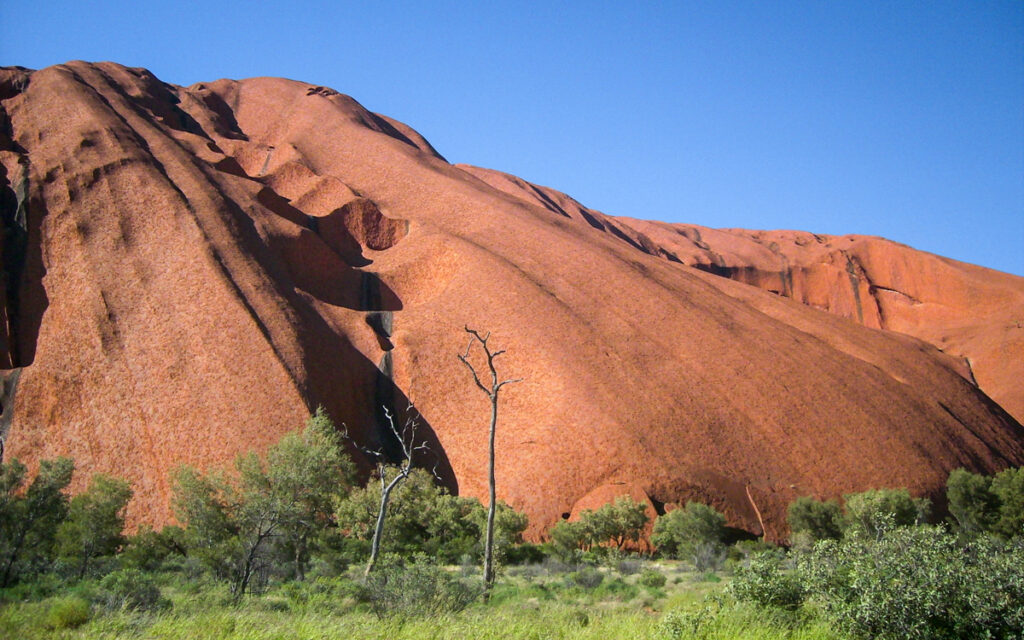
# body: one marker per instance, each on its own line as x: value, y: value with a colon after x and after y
x: 29, y: 518
x: 233, y: 525
x: 424, y: 518
x: 130, y: 589
x: 652, y: 578
x: 307, y: 472
x: 971, y: 501
x: 815, y: 519
x: 766, y: 581
x: 918, y: 582
x: 872, y: 513
x: 1008, y: 487
x: 682, y: 533
x: 982, y: 504
x: 95, y: 522
x: 618, y: 522
x: 68, y: 613
x: 417, y: 590
x: 147, y: 550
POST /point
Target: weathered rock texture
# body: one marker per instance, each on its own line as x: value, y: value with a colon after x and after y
x: 190, y: 270
x: 967, y: 311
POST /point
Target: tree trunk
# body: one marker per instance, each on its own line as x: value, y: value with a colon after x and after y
x: 378, y: 531
x: 300, y: 575
x: 489, y: 544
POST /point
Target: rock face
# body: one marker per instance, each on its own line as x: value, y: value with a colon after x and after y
x: 967, y: 311
x: 190, y: 270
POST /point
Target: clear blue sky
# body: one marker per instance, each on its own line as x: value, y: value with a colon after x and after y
x: 900, y: 119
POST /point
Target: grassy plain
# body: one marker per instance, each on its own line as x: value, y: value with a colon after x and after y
x: 530, y: 602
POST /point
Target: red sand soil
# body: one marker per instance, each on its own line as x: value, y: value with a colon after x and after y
x: 198, y: 267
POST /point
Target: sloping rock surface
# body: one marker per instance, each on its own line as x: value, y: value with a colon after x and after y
x: 190, y: 270
x: 968, y: 311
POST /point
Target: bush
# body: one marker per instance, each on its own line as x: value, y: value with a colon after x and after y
x: 422, y: 517
x: 415, y: 591
x: 681, y: 532
x: 629, y: 566
x: 94, y: 523
x: 971, y: 501
x: 872, y: 513
x: 652, y: 579
x: 130, y: 589
x: 816, y: 519
x: 918, y: 582
x: 526, y: 553
x: 688, y: 625
x: 619, y: 522
x: 767, y: 583
x: 147, y: 550
x: 708, y: 556
x: 586, y: 577
x: 30, y: 516
x: 67, y: 613
x: 1008, y: 487
x: 981, y: 504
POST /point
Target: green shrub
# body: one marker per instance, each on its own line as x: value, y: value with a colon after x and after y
x: 767, y: 583
x: 422, y: 517
x: 615, y: 588
x: 982, y: 504
x: 94, y: 523
x: 919, y: 582
x: 586, y: 578
x: 30, y: 516
x: 971, y: 501
x: 149, y: 550
x: 872, y: 513
x: 682, y: 533
x: 526, y: 553
x: 680, y: 624
x: 415, y: 591
x: 816, y: 519
x: 1008, y: 486
x: 130, y: 589
x: 619, y: 522
x: 67, y: 613
x: 652, y: 578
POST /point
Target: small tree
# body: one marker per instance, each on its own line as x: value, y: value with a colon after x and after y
x: 872, y: 512
x: 682, y: 532
x: 971, y: 501
x: 491, y: 389
x: 29, y: 519
x: 95, y: 522
x: 391, y: 477
x: 567, y: 537
x: 620, y: 522
x: 308, y: 471
x: 233, y: 523
x: 423, y: 518
x: 1008, y: 487
x: 816, y: 519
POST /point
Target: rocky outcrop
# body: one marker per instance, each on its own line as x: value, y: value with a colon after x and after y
x: 204, y: 265
x: 967, y: 311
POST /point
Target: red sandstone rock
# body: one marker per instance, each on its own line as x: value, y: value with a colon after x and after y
x: 967, y: 311
x: 201, y: 266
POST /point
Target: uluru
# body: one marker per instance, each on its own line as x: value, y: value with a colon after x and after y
x: 190, y: 271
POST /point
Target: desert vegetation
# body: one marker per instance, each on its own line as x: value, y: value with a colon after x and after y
x: 277, y: 546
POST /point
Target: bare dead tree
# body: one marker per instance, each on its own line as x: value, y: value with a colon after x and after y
x: 491, y: 390
x: 405, y: 435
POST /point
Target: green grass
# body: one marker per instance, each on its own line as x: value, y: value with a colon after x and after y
x: 524, y: 606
